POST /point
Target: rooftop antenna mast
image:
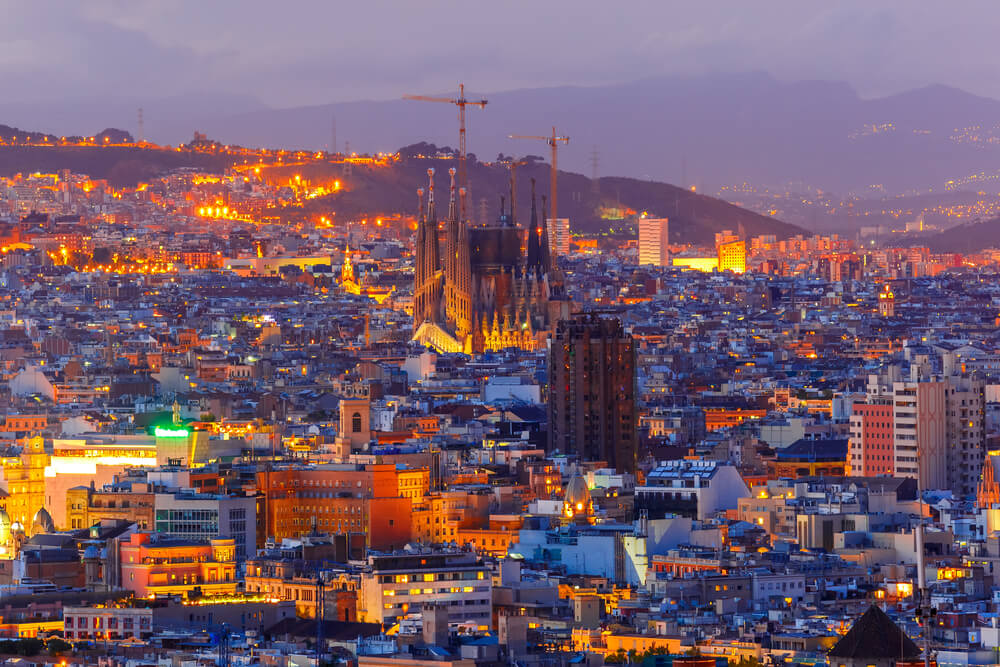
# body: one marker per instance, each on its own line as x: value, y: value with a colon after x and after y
x: 461, y: 102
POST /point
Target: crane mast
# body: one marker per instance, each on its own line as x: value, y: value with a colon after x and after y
x: 553, y: 142
x: 461, y: 102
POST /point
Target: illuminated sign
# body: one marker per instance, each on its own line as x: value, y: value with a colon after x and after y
x: 163, y: 432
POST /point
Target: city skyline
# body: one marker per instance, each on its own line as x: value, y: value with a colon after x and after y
x: 702, y: 369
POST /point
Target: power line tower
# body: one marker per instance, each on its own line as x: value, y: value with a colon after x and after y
x: 333, y: 135
x: 461, y: 102
x: 553, y: 142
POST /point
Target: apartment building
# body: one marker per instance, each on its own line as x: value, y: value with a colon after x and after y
x: 398, y: 583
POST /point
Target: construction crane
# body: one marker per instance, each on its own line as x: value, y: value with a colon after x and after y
x: 461, y: 103
x: 553, y: 142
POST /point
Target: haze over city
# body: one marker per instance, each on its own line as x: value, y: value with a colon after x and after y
x: 313, y: 52
x: 549, y: 334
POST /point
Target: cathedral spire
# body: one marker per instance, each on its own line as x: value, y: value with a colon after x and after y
x: 450, y: 251
x: 419, y: 247
x: 432, y: 258
x: 431, y: 213
x: 452, y: 208
x: 533, y: 232
x: 433, y: 251
x: 419, y: 264
x: 420, y: 208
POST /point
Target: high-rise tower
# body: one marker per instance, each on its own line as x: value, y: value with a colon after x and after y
x: 592, y: 379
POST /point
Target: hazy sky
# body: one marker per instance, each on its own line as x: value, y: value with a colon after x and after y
x: 288, y: 52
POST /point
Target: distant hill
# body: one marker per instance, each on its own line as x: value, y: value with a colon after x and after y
x: 707, y: 131
x: 392, y: 190
x: 694, y: 218
x: 967, y: 238
x: 119, y: 165
x: 113, y: 135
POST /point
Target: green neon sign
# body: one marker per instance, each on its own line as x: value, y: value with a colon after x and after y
x: 162, y: 432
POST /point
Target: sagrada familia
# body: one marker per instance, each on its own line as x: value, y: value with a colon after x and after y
x: 494, y: 286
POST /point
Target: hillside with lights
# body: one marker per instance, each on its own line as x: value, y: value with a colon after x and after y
x: 357, y: 187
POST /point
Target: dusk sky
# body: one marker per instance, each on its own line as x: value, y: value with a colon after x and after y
x: 312, y: 52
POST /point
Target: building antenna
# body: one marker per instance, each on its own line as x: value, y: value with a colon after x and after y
x: 141, y: 132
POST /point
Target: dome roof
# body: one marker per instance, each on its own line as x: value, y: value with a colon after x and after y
x: 42, y: 522
x: 577, y: 492
x: 91, y: 553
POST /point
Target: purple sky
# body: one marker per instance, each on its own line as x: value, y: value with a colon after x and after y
x: 291, y: 53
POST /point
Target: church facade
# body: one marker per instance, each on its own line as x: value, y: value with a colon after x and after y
x: 493, y: 287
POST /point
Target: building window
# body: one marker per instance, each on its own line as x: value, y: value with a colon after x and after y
x: 356, y: 423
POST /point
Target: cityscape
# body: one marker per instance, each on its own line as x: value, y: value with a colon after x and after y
x: 330, y: 403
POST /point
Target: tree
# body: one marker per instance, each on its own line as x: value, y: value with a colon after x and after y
x: 101, y: 255
x: 29, y: 647
x: 616, y: 658
x: 56, y: 645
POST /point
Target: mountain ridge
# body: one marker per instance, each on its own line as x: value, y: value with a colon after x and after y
x: 714, y: 130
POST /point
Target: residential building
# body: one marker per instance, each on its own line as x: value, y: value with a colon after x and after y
x: 202, y: 517
x: 153, y: 565
x: 395, y: 584
x: 654, y: 244
x: 107, y: 623
x: 692, y: 488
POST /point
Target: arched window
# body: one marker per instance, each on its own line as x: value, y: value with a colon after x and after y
x: 356, y: 423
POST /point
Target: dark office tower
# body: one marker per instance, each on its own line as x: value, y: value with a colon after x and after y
x: 592, y: 410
